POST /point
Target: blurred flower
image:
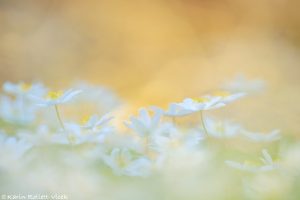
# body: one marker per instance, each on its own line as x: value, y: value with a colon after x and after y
x: 42, y: 135
x: 228, y: 97
x: 174, y: 110
x: 177, y: 151
x: 267, y: 160
x: 20, y: 109
x: 122, y: 163
x: 220, y: 129
x: 145, y: 125
x: 75, y: 134
x: 261, y: 137
x: 241, y: 84
x: 17, y: 111
x: 94, y: 122
x: 12, y: 148
x: 71, y: 135
x: 207, y: 102
x: 96, y: 98
x: 56, y: 98
x: 36, y: 89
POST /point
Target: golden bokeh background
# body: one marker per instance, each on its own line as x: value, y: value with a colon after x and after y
x: 152, y: 52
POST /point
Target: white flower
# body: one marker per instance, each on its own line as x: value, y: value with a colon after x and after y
x: 22, y: 88
x: 266, y: 158
x: 229, y: 129
x: 98, y: 128
x: 71, y: 135
x: 174, y: 110
x: 207, y: 102
x: 163, y: 144
x: 92, y: 129
x: 122, y: 163
x: 203, y: 103
x: 17, y: 111
x: 227, y: 97
x: 12, y: 153
x: 98, y: 98
x: 193, y: 139
x: 42, y: 136
x: 56, y: 98
x: 94, y: 122
x: 268, y: 164
x: 12, y: 148
x: 242, y: 166
x: 145, y: 125
x: 20, y: 109
x: 260, y: 137
x: 220, y: 129
x: 241, y: 83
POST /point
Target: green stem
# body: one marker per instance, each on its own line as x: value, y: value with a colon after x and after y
x: 203, y: 122
x: 58, y: 117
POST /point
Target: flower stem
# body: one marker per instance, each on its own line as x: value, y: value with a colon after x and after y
x: 203, y: 122
x: 58, y: 117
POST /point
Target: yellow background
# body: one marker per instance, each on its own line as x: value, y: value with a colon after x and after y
x: 152, y: 52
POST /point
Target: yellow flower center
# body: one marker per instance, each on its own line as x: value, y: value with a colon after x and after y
x: 85, y: 119
x: 200, y: 99
x: 54, y: 95
x: 25, y: 87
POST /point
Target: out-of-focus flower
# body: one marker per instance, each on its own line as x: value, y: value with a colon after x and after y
x: 96, y: 98
x: 192, y: 139
x: 174, y: 110
x: 266, y: 158
x: 12, y: 153
x: 75, y: 134
x: 12, y: 148
x: 20, y: 109
x: 94, y: 122
x: 177, y: 151
x: 241, y: 84
x: 228, y: 97
x: 207, y: 102
x: 229, y: 129
x: 175, y: 139
x: 144, y: 124
x: 17, y: 111
x: 199, y: 104
x: 56, y: 98
x: 122, y: 163
x: 220, y: 129
x: 268, y: 164
x: 261, y: 137
x: 71, y: 135
x: 22, y: 88
x: 42, y: 136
